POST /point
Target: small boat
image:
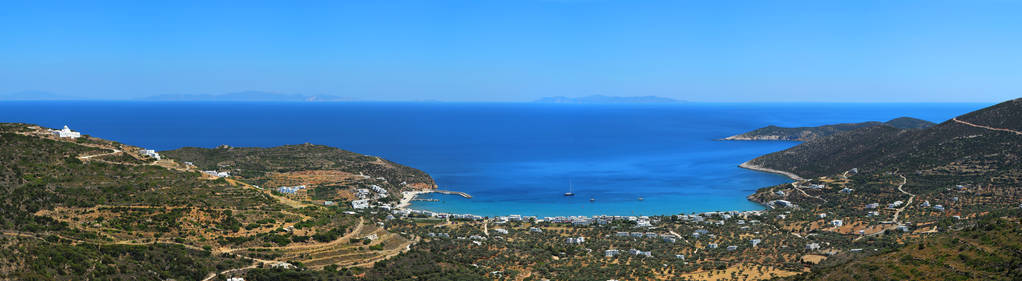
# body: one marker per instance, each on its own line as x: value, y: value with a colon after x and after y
x: 640, y: 199
x: 570, y: 190
x: 592, y: 199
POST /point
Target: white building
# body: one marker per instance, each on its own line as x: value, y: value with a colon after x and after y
x: 813, y: 246
x: 500, y: 230
x: 66, y: 133
x: 837, y: 223
x: 574, y: 240
x: 283, y: 265
x: 755, y: 242
x: 610, y: 253
x: 217, y: 174
x: 236, y: 279
x: 150, y: 153
x: 360, y: 204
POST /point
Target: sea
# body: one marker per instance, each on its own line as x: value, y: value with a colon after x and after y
x: 513, y: 158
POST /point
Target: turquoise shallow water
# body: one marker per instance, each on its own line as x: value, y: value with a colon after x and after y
x: 514, y: 158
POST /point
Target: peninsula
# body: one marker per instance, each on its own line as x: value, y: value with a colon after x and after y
x: 813, y: 133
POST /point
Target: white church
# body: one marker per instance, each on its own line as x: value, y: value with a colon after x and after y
x: 66, y: 133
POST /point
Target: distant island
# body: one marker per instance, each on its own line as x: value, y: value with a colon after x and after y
x: 814, y: 133
x: 606, y: 99
x: 246, y: 96
x: 34, y: 95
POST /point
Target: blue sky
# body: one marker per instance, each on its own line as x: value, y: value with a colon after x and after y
x: 483, y: 50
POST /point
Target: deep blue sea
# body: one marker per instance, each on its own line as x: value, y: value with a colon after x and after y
x: 513, y: 158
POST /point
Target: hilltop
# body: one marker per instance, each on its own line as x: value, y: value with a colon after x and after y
x: 813, y: 133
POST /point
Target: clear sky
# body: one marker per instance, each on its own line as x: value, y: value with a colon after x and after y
x: 488, y: 50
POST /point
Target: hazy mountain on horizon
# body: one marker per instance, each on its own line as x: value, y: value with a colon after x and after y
x: 245, y: 96
x: 35, y: 95
x: 606, y: 99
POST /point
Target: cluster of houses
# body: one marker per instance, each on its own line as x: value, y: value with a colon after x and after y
x: 611, y: 253
x: 926, y: 204
x: 373, y: 192
x: 217, y: 174
x: 671, y: 238
x: 290, y: 189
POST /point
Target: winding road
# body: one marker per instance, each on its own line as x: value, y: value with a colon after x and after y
x: 910, y: 198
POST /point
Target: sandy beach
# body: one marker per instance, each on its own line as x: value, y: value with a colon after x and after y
x: 754, y: 167
x: 408, y: 196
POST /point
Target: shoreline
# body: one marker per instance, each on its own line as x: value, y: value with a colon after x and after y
x: 750, y: 166
x: 408, y: 196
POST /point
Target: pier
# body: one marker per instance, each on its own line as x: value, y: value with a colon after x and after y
x: 448, y: 192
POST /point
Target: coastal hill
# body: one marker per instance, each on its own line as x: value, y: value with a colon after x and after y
x: 89, y: 208
x: 304, y: 164
x: 950, y: 193
x: 965, y: 142
x: 812, y: 133
x: 597, y: 99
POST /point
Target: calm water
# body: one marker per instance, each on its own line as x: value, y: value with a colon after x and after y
x: 513, y: 158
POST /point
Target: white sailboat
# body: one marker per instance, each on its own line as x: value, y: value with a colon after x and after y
x: 571, y: 189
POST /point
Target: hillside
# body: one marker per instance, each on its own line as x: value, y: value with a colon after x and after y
x: 990, y: 249
x: 308, y: 164
x: 951, y: 194
x: 949, y: 145
x: 94, y: 209
x: 818, y: 132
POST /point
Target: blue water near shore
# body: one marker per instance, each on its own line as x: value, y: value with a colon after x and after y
x: 513, y: 158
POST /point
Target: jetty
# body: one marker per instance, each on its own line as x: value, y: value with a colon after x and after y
x: 448, y: 192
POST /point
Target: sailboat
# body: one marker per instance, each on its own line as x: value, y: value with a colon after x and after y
x: 571, y: 189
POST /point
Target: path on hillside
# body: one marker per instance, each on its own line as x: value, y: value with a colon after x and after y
x: 986, y: 127
x: 896, y: 213
x: 115, y: 151
x: 795, y: 185
x: 909, y: 203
